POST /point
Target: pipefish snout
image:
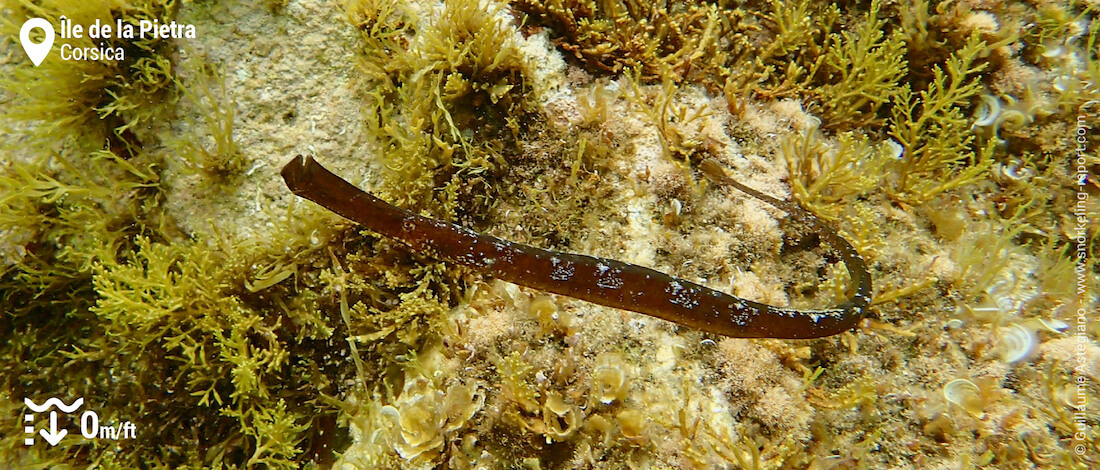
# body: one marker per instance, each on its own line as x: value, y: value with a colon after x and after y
x: 601, y: 281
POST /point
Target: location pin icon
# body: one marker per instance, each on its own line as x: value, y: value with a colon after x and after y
x: 37, y: 52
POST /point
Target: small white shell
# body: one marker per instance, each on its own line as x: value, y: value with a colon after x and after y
x: 1062, y: 83
x: 958, y: 390
x: 677, y: 206
x: 964, y: 394
x: 894, y: 149
x: 1001, y: 293
x: 1016, y: 343
x: 1054, y: 325
x: 988, y: 112
x: 1007, y: 304
x: 1014, y: 171
x: 1052, y: 49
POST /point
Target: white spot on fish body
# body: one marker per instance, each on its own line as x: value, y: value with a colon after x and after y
x: 563, y: 270
x: 609, y: 281
x: 686, y: 298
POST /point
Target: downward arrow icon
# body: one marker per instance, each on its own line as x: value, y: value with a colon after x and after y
x: 53, y: 436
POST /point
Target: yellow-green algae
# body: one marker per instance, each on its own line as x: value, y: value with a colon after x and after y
x: 178, y: 285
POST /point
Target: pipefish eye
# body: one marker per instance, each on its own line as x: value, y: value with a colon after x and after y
x: 602, y: 281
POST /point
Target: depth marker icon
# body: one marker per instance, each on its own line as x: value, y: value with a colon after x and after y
x: 51, y: 435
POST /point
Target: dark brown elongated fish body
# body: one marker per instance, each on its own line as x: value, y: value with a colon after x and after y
x: 601, y: 281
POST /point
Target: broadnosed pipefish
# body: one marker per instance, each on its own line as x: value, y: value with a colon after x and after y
x: 601, y: 281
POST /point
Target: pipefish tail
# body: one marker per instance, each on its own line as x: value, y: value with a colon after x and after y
x: 601, y: 281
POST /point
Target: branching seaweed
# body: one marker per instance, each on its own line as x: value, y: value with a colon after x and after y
x: 659, y: 40
x: 934, y: 132
x: 206, y: 90
x: 861, y: 72
x: 445, y: 100
x: 678, y: 126
x: 824, y: 176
